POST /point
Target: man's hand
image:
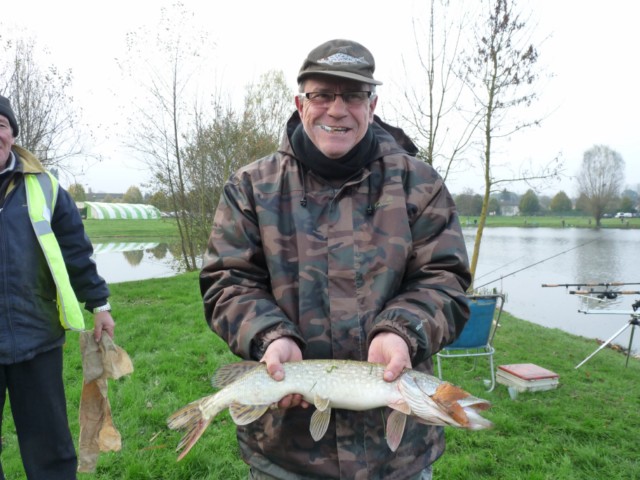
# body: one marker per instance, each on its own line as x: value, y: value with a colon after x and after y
x: 280, y: 351
x: 103, y: 322
x: 391, y: 350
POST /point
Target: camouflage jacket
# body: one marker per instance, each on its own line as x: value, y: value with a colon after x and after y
x: 292, y: 255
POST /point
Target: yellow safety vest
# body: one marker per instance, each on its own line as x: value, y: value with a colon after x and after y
x: 42, y: 191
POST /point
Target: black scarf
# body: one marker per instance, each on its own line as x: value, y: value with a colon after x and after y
x: 342, y: 168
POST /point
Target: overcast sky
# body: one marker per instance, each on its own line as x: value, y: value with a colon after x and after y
x: 592, y: 52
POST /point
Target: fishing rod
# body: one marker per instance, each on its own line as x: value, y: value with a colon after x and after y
x: 500, y: 267
x: 602, y: 284
x: 536, y: 263
x: 605, y: 292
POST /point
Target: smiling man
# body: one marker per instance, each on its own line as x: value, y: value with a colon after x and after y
x: 340, y: 245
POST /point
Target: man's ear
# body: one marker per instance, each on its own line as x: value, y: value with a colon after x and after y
x: 372, y: 108
x: 299, y: 104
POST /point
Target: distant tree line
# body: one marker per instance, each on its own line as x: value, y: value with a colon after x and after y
x: 469, y: 204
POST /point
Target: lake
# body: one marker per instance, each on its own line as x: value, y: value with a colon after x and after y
x: 515, y: 261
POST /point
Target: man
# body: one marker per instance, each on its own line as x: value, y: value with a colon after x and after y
x: 45, y: 257
x: 340, y: 245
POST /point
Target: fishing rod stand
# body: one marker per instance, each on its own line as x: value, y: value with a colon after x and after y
x: 632, y: 323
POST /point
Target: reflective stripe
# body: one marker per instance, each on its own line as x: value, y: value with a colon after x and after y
x: 42, y: 190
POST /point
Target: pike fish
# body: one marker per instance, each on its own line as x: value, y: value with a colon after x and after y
x: 248, y: 391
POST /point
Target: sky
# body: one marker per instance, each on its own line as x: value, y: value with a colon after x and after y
x: 589, y: 47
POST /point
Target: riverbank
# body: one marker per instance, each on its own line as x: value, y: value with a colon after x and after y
x: 584, y: 429
x: 552, y: 222
x: 167, y: 227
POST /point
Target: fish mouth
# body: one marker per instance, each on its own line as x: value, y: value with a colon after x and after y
x: 329, y: 129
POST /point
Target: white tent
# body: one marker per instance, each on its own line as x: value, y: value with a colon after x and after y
x: 108, y: 211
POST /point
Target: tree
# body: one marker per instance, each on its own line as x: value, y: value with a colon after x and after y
x: 132, y: 195
x: 469, y: 203
x: 529, y: 203
x: 600, y: 179
x: 48, y: 119
x: 160, y: 201
x: 494, y: 206
x: 560, y: 203
x: 433, y: 114
x: 500, y: 73
x: 163, y: 117
x: 627, y: 205
x: 582, y: 204
x: 77, y: 192
x: 232, y: 139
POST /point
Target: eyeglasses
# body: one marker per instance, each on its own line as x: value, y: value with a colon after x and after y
x: 326, y: 98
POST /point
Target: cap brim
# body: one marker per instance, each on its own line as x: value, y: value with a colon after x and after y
x: 330, y: 73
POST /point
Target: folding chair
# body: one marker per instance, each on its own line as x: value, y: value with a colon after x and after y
x: 476, y: 339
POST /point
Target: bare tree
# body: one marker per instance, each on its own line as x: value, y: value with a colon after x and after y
x: 500, y: 72
x: 600, y: 179
x: 434, y: 104
x: 41, y: 99
x: 268, y: 103
x: 165, y: 65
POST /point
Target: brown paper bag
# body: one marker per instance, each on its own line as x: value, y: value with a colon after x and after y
x: 100, y: 361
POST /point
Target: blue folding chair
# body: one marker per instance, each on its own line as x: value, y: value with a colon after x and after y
x: 476, y: 339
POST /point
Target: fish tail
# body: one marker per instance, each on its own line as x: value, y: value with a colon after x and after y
x: 191, y: 419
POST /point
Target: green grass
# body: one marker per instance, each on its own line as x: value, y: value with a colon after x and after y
x: 552, y: 221
x: 586, y: 429
x: 131, y: 229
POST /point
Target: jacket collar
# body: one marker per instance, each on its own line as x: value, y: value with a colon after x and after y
x: 30, y: 164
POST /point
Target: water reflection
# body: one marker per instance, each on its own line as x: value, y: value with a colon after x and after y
x: 122, y: 261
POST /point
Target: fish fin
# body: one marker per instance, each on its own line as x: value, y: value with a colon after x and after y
x: 320, y: 423
x: 246, y: 414
x: 190, y: 418
x: 229, y: 373
x: 402, y: 407
x: 321, y: 403
x: 395, y: 429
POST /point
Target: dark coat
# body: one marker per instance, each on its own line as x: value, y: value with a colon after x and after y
x: 29, y: 321
x: 292, y: 255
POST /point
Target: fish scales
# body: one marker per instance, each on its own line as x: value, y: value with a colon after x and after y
x: 348, y: 385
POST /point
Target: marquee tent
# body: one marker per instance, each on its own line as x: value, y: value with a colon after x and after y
x: 109, y: 211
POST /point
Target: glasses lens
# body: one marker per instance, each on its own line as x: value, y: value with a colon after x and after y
x: 350, y: 98
x: 320, y: 98
x: 355, y: 98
